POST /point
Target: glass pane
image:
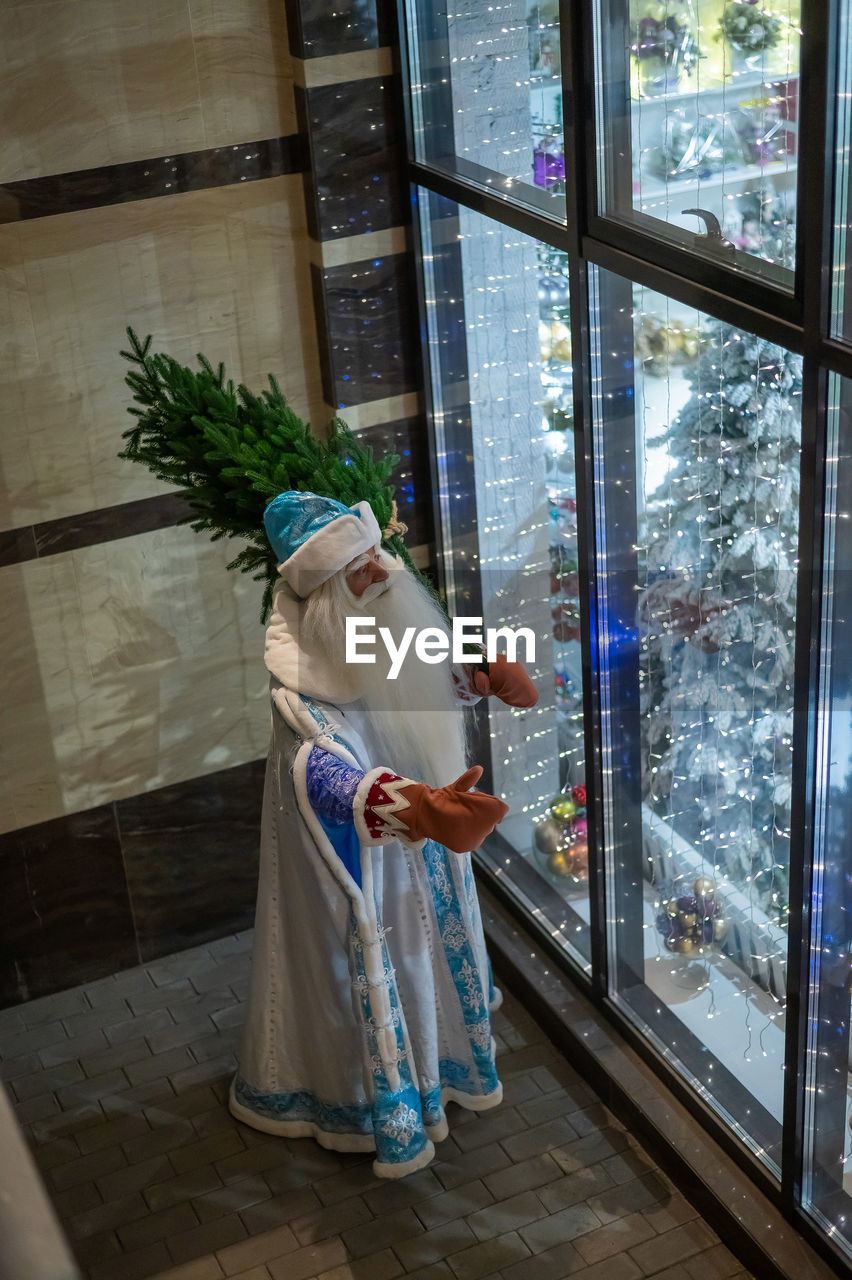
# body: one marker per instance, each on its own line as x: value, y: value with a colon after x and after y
x: 842, y: 310
x: 698, y: 429
x: 827, y: 1187
x: 486, y: 94
x: 500, y: 351
x: 702, y: 95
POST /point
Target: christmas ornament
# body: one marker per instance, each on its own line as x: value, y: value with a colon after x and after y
x: 664, y: 44
x: 691, y: 921
x: 562, y: 836
x: 561, y: 862
x: 563, y: 807
x: 554, y: 341
x: 748, y: 28
x: 549, y: 835
x: 696, y: 148
x: 660, y: 345
x: 553, y: 291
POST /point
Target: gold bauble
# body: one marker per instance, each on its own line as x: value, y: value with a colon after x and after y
x: 561, y: 862
x: 563, y: 807
x: 720, y: 929
x: 684, y: 945
x: 549, y: 835
x: 580, y: 850
x: 671, y: 909
x: 704, y: 887
x: 689, y: 919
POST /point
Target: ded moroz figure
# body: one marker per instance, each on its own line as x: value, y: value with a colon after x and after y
x: 370, y: 998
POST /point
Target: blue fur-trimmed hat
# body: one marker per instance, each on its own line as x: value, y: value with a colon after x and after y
x: 315, y: 537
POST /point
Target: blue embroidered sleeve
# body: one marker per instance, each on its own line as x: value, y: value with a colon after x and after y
x: 332, y: 784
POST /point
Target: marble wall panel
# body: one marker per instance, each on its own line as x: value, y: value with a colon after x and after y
x: 98, y: 82
x: 318, y: 29
x: 368, y: 328
x: 408, y: 438
x: 65, y: 913
x: 245, y: 75
x: 132, y: 665
x: 191, y: 857
x: 223, y: 271
x: 357, y: 151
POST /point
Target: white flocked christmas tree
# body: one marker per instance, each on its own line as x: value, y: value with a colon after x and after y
x: 717, y: 613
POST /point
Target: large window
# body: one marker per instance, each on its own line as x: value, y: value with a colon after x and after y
x: 702, y: 95
x: 697, y: 428
x: 653, y: 474
x: 499, y: 326
x: 486, y: 96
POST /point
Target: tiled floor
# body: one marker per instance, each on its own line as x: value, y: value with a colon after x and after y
x: 121, y: 1086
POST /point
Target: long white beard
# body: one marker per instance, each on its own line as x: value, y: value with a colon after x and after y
x: 417, y: 722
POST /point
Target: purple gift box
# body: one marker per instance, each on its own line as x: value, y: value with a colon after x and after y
x: 548, y: 169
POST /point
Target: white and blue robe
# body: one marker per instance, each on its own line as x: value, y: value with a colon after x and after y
x: 371, y: 988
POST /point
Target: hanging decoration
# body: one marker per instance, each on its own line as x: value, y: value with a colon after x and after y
x: 691, y: 921
x: 664, y: 44
x: 659, y: 345
x: 748, y: 28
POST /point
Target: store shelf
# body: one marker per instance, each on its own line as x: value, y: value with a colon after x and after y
x: 655, y: 189
x: 738, y: 83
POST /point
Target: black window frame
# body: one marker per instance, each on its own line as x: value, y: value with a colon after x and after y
x: 798, y: 320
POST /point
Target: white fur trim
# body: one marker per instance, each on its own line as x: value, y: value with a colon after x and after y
x: 364, y: 1141
x: 299, y: 669
x: 363, y: 905
x: 386, y: 1169
x: 299, y: 1129
x: 330, y: 549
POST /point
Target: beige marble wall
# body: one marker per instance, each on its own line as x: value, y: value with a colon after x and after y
x: 224, y: 271
x: 85, y: 83
x: 130, y: 665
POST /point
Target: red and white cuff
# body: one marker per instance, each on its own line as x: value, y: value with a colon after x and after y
x: 464, y: 689
x: 379, y: 808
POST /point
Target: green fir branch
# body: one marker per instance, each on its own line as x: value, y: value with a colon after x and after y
x: 229, y: 452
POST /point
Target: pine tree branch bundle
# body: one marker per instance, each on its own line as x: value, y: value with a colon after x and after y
x: 229, y: 452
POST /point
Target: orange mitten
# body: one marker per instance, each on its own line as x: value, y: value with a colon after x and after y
x: 508, y: 681
x: 388, y: 807
x: 455, y: 816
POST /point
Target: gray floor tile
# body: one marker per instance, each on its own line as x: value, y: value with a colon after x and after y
x: 123, y: 1084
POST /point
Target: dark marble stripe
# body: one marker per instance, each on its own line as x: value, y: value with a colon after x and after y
x: 355, y: 182
x: 95, y: 892
x: 90, y: 528
x: 367, y: 320
x: 143, y: 179
x: 191, y: 857
x: 65, y: 913
x: 17, y: 545
x: 411, y: 475
x: 316, y: 29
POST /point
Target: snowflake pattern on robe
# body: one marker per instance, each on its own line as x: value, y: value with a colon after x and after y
x: 454, y: 934
x: 402, y: 1124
